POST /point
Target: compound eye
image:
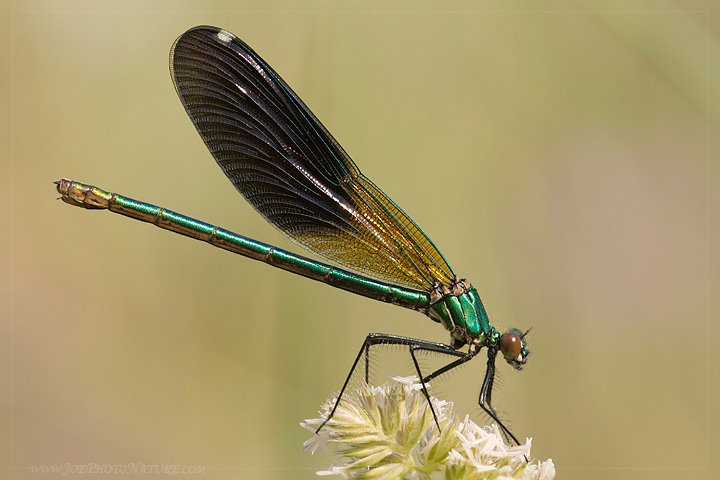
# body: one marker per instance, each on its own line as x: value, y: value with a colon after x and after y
x: 511, y: 345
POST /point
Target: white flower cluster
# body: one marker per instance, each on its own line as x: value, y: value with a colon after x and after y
x: 389, y: 433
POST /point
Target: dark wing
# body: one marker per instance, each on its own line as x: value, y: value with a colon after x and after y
x: 289, y: 167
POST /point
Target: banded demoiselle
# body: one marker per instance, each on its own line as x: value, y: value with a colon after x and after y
x: 294, y: 173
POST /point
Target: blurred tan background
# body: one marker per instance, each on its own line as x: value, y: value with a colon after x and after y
x: 564, y: 161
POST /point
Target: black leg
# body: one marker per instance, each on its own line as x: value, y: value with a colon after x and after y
x: 414, y: 344
x: 367, y: 363
x: 464, y: 357
x: 485, y: 400
x: 347, y: 380
x: 423, y: 381
x: 445, y: 349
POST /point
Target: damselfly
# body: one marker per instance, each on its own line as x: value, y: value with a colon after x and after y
x: 286, y: 164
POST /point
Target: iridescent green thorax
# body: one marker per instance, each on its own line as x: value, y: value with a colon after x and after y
x: 460, y: 310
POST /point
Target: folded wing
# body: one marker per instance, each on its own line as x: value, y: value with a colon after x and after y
x: 291, y: 170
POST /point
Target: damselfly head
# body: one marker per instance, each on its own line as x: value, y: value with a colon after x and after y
x: 513, y: 348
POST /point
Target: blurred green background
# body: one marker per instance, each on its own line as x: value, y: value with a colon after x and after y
x: 561, y: 160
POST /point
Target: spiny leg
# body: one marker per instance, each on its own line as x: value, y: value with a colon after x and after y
x: 464, y: 357
x: 441, y: 348
x: 485, y: 400
x: 367, y: 363
x: 423, y: 384
x: 347, y: 380
x: 387, y: 339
